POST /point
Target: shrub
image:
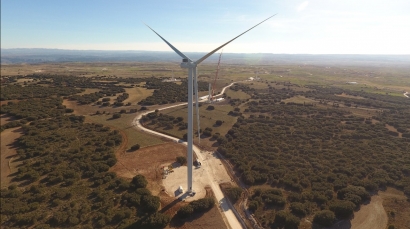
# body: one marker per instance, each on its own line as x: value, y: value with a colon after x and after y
x: 210, y: 108
x: 324, y: 218
x: 135, y: 147
x: 218, y: 122
x: 286, y: 220
x: 181, y: 160
x: 234, y: 193
x: 185, y: 211
x: 139, y: 181
x: 156, y: 221
x: 342, y: 208
x: 116, y: 115
x: 253, y: 205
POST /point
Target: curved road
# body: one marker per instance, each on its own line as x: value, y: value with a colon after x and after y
x: 229, y: 214
x: 406, y: 94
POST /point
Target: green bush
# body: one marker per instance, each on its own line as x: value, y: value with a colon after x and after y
x: 234, y: 193
x: 139, y: 181
x: 135, y: 147
x: 324, y: 218
x: 343, y: 209
x: 181, y: 160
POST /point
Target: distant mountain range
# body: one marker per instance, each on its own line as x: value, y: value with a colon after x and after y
x: 35, y: 56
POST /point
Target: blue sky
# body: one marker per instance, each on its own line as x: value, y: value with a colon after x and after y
x: 313, y: 26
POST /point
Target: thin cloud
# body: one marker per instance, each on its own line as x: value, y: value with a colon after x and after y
x: 302, y: 6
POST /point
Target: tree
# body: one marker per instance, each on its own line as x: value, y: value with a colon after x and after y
x: 156, y: 221
x: 150, y: 203
x: 286, y: 220
x: 234, y: 193
x: 139, y: 181
x: 135, y: 147
x: 210, y: 108
x: 342, y: 208
x: 324, y: 218
x: 116, y: 115
x: 181, y: 160
x: 253, y: 205
x: 185, y: 211
x: 218, y: 122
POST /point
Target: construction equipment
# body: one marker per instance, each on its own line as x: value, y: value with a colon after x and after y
x: 216, y: 77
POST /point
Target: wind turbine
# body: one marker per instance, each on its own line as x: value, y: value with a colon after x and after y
x: 192, y: 80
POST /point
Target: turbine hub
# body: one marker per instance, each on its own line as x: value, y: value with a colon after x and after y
x: 187, y: 64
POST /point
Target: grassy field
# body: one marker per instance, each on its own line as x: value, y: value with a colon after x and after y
x: 236, y: 94
x: 397, y: 207
x: 299, y: 99
x: 137, y: 94
x: 124, y: 123
x: 207, y: 119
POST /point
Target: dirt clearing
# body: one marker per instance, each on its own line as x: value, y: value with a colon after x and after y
x: 397, y: 207
x: 7, y: 153
x: 211, y: 219
x: 148, y: 161
x: 371, y: 216
x: 137, y: 94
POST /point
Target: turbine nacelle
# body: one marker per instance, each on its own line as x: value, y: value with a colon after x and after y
x: 187, y: 64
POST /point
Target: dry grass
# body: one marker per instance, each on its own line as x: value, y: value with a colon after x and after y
x: 135, y: 136
x: 7, y: 153
x: 207, y: 119
x: 137, y: 94
x: 237, y: 94
x: 148, y: 161
x: 299, y: 99
x: 397, y: 206
x: 89, y: 91
x: 124, y: 123
x: 350, y: 96
x: 211, y: 219
x: 4, y: 119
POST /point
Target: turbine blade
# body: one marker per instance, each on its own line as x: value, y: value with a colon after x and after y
x: 170, y: 45
x: 213, y: 51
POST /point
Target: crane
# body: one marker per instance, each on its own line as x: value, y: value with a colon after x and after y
x: 216, y: 76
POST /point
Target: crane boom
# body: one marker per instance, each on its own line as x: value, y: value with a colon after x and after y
x: 216, y: 76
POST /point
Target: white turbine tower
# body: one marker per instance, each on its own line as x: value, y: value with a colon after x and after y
x: 192, y: 80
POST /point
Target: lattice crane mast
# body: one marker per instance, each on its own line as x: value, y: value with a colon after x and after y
x: 216, y: 77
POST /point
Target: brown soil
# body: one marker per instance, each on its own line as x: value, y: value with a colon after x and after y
x: 391, y: 128
x: 4, y: 119
x: 211, y: 219
x: 397, y: 207
x: 7, y: 153
x: 148, y: 161
x: 6, y: 101
x: 370, y: 216
x: 350, y: 96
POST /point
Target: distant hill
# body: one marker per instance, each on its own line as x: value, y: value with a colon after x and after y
x: 32, y: 56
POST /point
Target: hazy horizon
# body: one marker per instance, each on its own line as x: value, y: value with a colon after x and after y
x: 38, y: 55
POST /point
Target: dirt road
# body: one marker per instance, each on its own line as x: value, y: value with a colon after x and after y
x: 406, y: 94
x: 210, y: 167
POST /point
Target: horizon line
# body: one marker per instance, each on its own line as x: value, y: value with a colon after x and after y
x: 131, y: 50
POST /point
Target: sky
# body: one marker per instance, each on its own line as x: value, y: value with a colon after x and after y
x: 299, y: 26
